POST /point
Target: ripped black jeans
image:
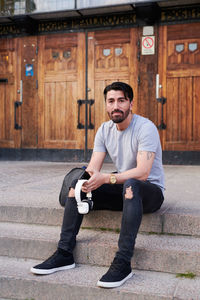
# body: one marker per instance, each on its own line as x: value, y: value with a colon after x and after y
x: 134, y: 198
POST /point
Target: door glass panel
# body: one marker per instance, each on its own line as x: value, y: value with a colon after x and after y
x: 118, y: 51
x: 106, y: 52
x: 179, y: 48
x: 193, y: 47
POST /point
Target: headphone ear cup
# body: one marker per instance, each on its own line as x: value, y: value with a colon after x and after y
x: 83, y: 208
x: 89, y: 203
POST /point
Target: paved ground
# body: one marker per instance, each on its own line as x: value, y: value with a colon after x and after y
x: 34, y: 182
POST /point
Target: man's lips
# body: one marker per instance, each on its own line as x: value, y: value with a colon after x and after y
x: 117, y: 112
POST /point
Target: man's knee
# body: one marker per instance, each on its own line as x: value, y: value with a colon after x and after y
x: 71, y: 193
x: 130, y: 187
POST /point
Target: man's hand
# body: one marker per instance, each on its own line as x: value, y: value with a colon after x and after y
x: 95, y: 181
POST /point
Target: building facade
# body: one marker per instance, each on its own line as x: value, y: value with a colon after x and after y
x: 56, y: 57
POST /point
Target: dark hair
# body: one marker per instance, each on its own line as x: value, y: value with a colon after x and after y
x: 120, y: 86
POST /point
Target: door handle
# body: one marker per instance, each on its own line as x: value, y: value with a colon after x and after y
x: 162, y: 125
x: 21, y: 91
x: 90, y: 102
x: 16, y: 105
x: 161, y: 100
x: 90, y: 125
x: 79, y: 125
x: 158, y: 86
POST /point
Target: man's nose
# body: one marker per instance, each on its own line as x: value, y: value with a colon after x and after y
x: 116, y: 105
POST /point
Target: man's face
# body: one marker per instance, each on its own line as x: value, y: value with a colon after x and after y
x: 117, y: 106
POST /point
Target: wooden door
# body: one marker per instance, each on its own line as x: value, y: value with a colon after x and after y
x: 61, y: 77
x: 9, y: 137
x: 179, y: 62
x: 111, y: 57
x: 18, y: 90
x: 52, y: 71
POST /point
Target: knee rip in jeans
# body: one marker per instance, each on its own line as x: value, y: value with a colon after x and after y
x: 71, y: 193
x: 129, y: 193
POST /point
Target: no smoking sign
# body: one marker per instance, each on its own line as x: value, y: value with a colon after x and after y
x: 148, y: 45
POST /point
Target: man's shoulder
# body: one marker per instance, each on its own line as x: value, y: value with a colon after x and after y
x: 142, y: 121
x: 107, y: 125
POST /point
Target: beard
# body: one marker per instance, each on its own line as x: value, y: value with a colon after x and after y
x: 118, y: 118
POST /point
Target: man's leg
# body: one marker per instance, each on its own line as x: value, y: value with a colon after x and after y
x: 63, y: 259
x: 71, y: 224
x: 138, y: 197
x: 104, y: 198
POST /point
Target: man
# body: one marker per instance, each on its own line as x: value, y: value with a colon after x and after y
x: 134, y: 146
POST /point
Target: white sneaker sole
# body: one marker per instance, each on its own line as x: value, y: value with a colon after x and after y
x: 50, y: 271
x: 113, y: 284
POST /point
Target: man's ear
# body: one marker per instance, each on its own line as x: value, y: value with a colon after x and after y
x: 131, y: 105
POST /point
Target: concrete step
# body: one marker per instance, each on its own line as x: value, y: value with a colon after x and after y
x: 164, y: 253
x: 16, y: 282
x: 175, y: 220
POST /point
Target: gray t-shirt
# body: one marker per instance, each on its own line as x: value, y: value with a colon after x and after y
x: 123, y: 146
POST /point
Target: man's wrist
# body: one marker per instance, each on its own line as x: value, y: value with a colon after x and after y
x: 106, y: 178
x: 112, y: 179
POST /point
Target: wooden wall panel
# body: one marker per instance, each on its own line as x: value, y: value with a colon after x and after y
x: 147, y: 70
x: 30, y: 93
x: 183, y: 31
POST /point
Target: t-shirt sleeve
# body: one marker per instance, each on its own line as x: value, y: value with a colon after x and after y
x: 148, y: 137
x: 99, y: 141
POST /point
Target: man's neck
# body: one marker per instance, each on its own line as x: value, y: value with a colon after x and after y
x: 123, y: 125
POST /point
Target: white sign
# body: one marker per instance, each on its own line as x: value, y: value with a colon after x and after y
x: 148, y: 45
x: 148, y: 30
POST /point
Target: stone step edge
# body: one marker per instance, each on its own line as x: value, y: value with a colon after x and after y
x: 158, y: 253
x: 159, y: 222
x: 80, y: 283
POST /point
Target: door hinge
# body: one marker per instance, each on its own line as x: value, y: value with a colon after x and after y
x: 36, y: 51
x: 138, y: 80
x: 138, y: 55
x: 139, y: 52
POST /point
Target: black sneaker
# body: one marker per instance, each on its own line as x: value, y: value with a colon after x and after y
x: 57, y: 262
x: 118, y: 273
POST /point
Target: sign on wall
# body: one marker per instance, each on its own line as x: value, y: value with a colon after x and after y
x: 148, y: 45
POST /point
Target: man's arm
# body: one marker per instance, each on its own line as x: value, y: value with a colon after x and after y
x: 141, y: 172
x: 93, y: 168
x: 96, y: 161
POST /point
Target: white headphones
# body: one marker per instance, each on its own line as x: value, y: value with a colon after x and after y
x: 84, y: 206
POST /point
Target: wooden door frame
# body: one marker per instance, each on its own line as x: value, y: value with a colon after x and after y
x: 162, y: 67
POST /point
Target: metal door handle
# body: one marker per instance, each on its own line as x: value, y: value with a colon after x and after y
x: 79, y: 125
x: 80, y: 102
x: 16, y: 105
x: 90, y: 125
x: 158, y: 86
x: 162, y: 125
x: 161, y: 100
x: 21, y: 91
